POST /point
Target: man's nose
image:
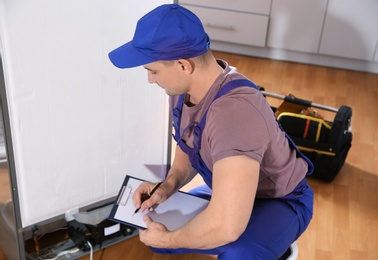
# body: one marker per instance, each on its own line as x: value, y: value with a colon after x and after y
x: 151, y: 77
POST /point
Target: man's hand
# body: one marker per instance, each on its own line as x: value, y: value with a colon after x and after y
x: 155, y: 235
x: 142, y: 199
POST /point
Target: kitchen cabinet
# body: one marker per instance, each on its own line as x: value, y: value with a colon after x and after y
x: 350, y: 29
x: 296, y: 24
x: 240, y: 21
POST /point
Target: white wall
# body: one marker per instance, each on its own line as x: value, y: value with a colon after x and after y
x: 79, y: 125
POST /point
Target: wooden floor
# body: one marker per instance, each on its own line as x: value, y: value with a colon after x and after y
x: 345, y: 222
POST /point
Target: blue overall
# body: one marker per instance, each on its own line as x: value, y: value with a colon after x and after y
x: 274, y: 223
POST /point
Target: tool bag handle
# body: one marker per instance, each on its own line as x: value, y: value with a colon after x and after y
x: 298, y: 101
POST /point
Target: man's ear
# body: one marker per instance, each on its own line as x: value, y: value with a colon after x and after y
x: 187, y: 65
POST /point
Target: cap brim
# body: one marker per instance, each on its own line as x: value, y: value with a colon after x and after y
x: 127, y: 56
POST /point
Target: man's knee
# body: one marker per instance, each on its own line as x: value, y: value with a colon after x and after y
x: 251, y: 252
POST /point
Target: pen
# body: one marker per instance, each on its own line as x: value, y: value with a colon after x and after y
x: 149, y: 195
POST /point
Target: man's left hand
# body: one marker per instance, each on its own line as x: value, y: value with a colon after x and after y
x: 155, y: 235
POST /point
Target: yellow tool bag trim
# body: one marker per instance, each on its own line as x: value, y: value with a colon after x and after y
x: 321, y: 122
x: 306, y: 149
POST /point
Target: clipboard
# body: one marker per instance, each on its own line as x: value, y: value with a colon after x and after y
x: 174, y: 213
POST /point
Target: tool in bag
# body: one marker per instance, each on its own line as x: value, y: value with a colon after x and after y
x: 325, y: 143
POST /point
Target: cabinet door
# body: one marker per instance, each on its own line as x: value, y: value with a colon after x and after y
x: 296, y: 24
x: 350, y: 29
x: 252, y: 6
x: 234, y: 27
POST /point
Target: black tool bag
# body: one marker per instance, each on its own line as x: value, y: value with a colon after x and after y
x: 325, y: 143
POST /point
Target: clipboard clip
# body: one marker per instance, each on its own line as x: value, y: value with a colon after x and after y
x: 124, y: 195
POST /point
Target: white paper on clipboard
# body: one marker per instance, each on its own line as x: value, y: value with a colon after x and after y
x: 175, y: 212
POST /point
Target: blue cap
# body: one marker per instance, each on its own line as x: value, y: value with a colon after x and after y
x: 169, y: 32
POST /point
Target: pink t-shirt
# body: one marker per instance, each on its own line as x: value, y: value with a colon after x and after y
x: 242, y: 123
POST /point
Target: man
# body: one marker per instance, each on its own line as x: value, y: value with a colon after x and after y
x: 260, y: 201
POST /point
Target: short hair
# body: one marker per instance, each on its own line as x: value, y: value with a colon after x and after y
x: 200, y: 60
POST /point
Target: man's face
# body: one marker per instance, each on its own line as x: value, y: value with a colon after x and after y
x: 167, y: 75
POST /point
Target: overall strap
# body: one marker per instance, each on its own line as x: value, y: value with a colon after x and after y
x: 176, y: 117
x: 294, y: 146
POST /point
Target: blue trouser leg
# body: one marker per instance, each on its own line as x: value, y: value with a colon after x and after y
x: 274, y: 225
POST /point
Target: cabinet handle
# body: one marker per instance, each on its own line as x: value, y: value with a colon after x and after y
x: 221, y: 27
